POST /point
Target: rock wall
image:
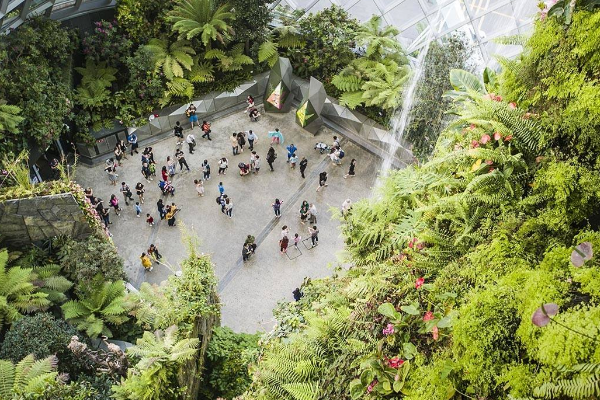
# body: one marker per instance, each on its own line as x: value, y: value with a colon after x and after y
x: 36, y: 219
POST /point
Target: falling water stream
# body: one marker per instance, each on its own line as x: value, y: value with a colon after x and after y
x: 402, y: 116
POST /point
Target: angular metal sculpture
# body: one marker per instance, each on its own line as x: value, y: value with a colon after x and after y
x: 308, y: 115
x: 278, y: 94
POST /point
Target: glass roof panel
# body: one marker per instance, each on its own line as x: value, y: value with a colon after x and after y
x: 495, y: 23
x: 405, y: 14
x: 364, y: 9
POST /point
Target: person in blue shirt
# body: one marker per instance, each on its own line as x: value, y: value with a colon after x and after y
x: 221, y: 188
x: 291, y: 150
x: 133, y: 140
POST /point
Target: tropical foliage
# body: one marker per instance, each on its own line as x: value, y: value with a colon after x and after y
x: 191, y: 18
x: 473, y: 275
x: 28, y: 376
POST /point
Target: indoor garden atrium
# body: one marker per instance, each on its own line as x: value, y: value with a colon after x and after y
x: 299, y: 200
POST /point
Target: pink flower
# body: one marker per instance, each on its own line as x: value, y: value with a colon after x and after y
x: 420, y: 245
x: 491, y: 169
x: 508, y: 138
x: 498, y: 98
x: 419, y: 282
x: 489, y: 162
x: 474, y: 144
x: 484, y: 139
x: 428, y: 316
x: 371, y: 386
x: 527, y: 115
x: 388, y: 330
x: 497, y: 136
x: 412, y: 242
x: 435, y: 333
x: 472, y: 126
x: 512, y: 105
x: 394, y: 362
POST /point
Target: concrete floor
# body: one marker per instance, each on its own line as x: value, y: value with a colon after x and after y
x: 248, y: 291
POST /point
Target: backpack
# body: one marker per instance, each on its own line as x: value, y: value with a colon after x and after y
x: 342, y: 154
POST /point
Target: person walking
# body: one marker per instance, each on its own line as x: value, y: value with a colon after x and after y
x: 291, y: 149
x: 322, y: 180
x: 146, y: 172
x: 303, y: 164
x: 199, y: 187
x: 351, y: 172
x: 191, y: 113
x: 164, y: 174
x: 334, y: 156
x: 222, y: 201
x: 138, y: 209
x: 252, y: 138
x: 206, y: 170
x: 277, y: 207
x: 181, y: 158
x: 241, y: 141
x: 234, y: 144
x: 133, y: 141
x: 221, y: 188
x: 178, y: 132
x: 304, y: 208
x: 114, y: 202
x: 250, y: 103
x: 276, y: 137
x: 271, y: 157
x: 153, y: 252
x: 171, y: 166
x: 223, y: 165
x: 228, y: 206
x: 191, y: 141
x: 293, y: 161
x: 127, y: 195
x: 297, y: 239
x: 312, y: 214
x: 284, y: 241
x: 139, y: 190
x: 146, y: 262
x: 149, y: 220
x: 314, y: 235
x: 161, y: 209
x: 206, y: 129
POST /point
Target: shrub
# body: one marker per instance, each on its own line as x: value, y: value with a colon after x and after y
x: 228, y: 356
x: 83, y: 260
x: 42, y: 335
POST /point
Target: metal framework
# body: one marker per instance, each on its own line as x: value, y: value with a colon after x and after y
x: 480, y: 20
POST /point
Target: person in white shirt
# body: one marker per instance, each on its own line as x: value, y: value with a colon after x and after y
x: 191, y: 141
x: 346, y: 207
x: 251, y: 136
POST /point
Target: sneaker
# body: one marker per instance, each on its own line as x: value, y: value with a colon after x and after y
x: 151, y: 268
x: 137, y: 216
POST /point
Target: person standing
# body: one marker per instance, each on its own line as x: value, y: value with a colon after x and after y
x: 351, y: 172
x: 178, y: 132
x: 146, y: 172
x: 118, y: 154
x: 241, y: 141
x: 271, y: 156
x: 199, y: 187
x: 251, y: 139
x: 221, y: 188
x: 303, y: 164
x: 297, y: 239
x: 139, y: 190
x: 111, y: 170
x: 181, y: 158
x: 256, y: 164
x: 171, y: 214
x: 127, y: 195
x: 161, y: 209
x: 123, y: 148
x: 336, y: 143
x: 146, y: 262
x: 206, y: 170
x: 334, y: 156
x: 171, y: 166
x: 106, y: 216
x: 277, y: 207
x: 314, y: 235
x: 133, y: 141
x: 223, y: 165
x: 234, y: 144
x: 293, y: 161
x: 149, y: 220
x: 164, y: 173
x: 228, y: 206
x: 312, y: 214
x: 138, y: 209
x: 191, y: 113
x: 191, y: 141
x: 304, y: 208
x: 250, y: 103
x: 322, y: 180
x: 206, y: 129
x: 291, y: 149
x: 346, y: 207
x: 284, y: 241
x: 114, y: 202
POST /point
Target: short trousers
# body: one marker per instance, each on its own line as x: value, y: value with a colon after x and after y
x: 193, y: 118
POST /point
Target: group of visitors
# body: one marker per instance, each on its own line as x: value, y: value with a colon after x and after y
x: 238, y: 140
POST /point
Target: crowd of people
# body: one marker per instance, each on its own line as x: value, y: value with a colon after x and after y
x: 239, y: 140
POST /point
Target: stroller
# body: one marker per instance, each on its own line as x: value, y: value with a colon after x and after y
x: 323, y: 148
x: 166, y: 187
x: 244, y: 168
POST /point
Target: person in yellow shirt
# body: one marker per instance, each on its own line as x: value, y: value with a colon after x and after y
x: 146, y: 262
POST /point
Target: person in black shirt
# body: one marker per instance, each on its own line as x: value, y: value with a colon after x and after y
x: 303, y: 165
x: 181, y: 159
x: 178, y: 131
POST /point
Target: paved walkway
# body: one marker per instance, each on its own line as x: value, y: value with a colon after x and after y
x: 249, y: 291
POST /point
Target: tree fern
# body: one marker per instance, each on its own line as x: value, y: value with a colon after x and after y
x: 192, y: 18
x: 302, y: 391
x: 584, y: 384
x: 49, y: 281
x: 9, y: 117
x: 268, y: 51
x: 27, y: 377
x: 171, y: 59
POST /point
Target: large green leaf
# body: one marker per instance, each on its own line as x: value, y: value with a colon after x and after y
x: 465, y: 81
